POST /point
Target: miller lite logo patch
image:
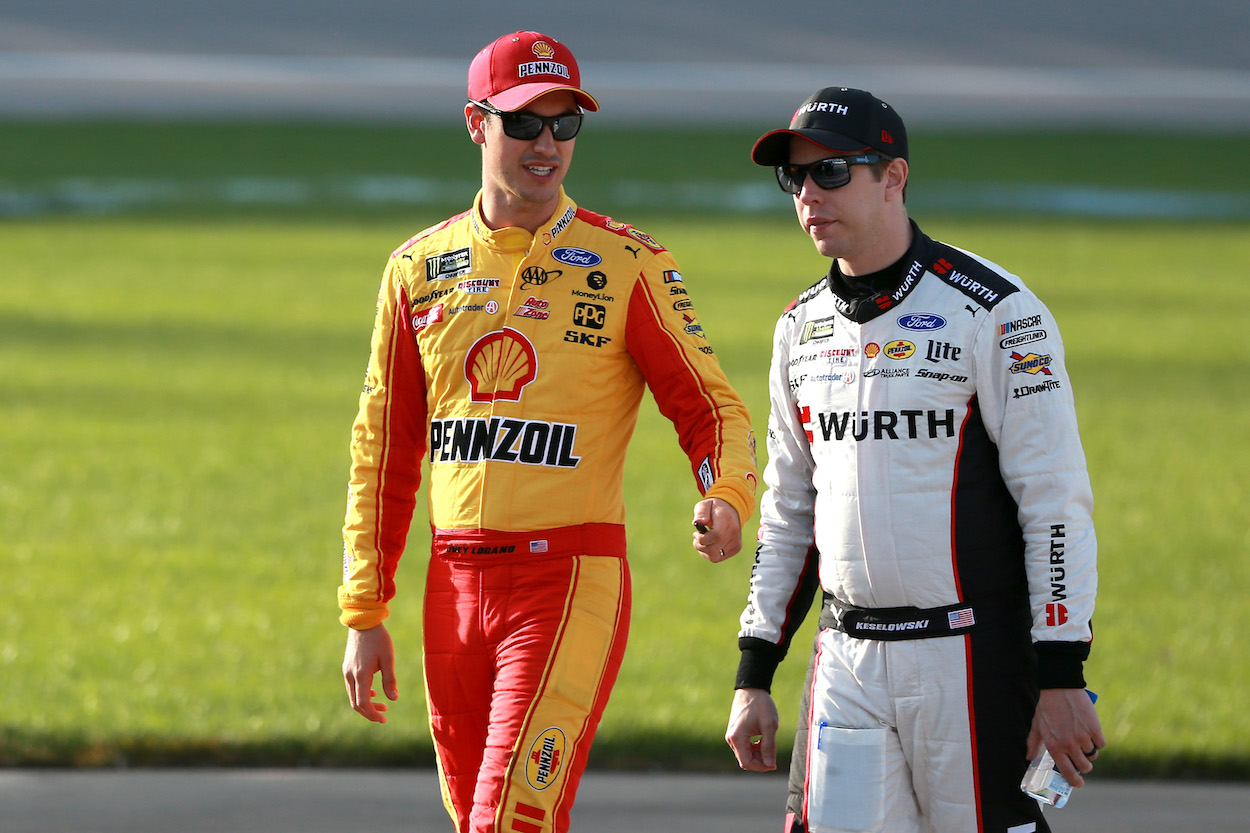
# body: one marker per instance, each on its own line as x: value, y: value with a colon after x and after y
x: 544, y: 759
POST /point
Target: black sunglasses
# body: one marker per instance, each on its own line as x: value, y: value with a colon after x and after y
x: 828, y: 174
x: 527, y: 126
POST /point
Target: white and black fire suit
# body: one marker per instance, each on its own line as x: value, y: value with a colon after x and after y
x: 924, y: 465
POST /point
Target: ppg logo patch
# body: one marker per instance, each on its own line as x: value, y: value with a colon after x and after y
x: 590, y: 315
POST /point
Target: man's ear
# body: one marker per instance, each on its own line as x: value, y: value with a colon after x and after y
x: 896, y: 176
x: 475, y: 121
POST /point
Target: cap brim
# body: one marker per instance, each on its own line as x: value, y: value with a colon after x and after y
x: 774, y: 148
x: 522, y: 94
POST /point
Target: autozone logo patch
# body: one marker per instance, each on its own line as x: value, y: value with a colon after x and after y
x: 544, y: 759
x: 503, y: 440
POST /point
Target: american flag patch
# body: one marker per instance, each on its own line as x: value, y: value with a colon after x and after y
x: 961, y: 618
x: 538, y: 546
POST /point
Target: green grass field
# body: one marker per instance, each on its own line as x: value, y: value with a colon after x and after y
x: 179, y: 385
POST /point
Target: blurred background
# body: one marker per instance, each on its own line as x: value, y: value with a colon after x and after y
x: 1116, y: 63
x: 196, y: 202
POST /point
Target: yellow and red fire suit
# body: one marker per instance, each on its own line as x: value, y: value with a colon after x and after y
x: 514, y: 364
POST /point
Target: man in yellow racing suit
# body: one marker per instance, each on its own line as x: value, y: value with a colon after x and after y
x: 510, y: 351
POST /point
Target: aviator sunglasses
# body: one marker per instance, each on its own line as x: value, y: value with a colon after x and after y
x: 526, y: 126
x: 828, y: 174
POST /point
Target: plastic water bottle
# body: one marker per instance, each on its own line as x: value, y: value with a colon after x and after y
x: 1042, y: 780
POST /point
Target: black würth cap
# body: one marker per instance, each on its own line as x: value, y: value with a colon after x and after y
x: 840, y: 119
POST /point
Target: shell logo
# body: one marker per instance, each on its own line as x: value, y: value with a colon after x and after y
x: 499, y: 365
x: 545, y: 758
x: 544, y: 50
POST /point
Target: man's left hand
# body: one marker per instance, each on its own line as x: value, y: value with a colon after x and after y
x: 1067, y: 723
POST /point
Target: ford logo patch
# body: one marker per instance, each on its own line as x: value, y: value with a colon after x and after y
x: 574, y: 256
x: 921, y: 321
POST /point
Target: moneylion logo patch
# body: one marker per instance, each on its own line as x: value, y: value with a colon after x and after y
x: 545, y: 757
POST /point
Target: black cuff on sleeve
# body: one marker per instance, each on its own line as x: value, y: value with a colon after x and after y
x: 1061, y: 664
x: 758, y: 663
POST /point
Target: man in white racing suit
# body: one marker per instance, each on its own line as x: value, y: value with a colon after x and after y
x: 925, y: 471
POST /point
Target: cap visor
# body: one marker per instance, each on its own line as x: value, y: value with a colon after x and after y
x: 522, y: 94
x: 774, y: 148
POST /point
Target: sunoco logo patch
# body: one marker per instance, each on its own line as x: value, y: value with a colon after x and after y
x: 545, y: 757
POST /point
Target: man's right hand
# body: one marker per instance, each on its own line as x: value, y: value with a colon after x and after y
x: 369, y: 652
x: 752, y: 732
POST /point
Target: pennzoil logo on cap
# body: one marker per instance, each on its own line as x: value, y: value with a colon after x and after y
x: 545, y: 757
x: 545, y: 65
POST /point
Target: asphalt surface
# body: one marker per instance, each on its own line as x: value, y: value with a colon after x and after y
x: 940, y: 62
x: 391, y: 801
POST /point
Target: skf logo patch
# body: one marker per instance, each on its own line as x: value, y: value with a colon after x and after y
x: 499, y: 365
x: 1031, y: 364
x: 448, y: 265
x: 545, y: 757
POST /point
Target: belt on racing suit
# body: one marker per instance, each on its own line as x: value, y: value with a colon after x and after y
x: 490, y: 546
x: 890, y: 623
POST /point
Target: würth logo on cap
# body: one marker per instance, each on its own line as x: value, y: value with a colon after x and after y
x: 544, y: 65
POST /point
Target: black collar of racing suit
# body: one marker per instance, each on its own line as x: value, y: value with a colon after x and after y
x: 863, y: 297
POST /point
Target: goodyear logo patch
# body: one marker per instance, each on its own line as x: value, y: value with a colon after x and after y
x: 545, y: 758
